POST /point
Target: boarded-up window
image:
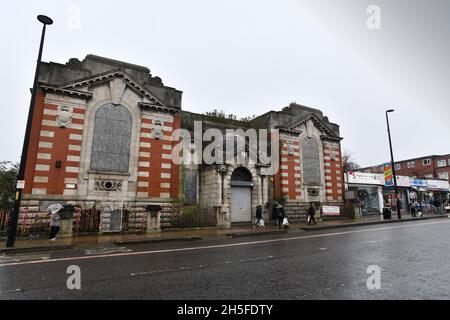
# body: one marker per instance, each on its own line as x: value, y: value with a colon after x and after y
x: 112, y: 136
x: 190, y: 186
x: 311, y: 162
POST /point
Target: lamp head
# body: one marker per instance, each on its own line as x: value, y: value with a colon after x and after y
x: 390, y: 110
x: 44, y: 19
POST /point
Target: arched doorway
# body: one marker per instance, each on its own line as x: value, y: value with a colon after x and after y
x: 241, y: 195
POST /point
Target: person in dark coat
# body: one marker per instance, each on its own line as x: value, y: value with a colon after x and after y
x: 275, y: 213
x: 280, y: 215
x: 258, y: 215
x: 311, y: 213
x: 413, y: 209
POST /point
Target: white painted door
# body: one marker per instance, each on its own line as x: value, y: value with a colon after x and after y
x: 241, y: 209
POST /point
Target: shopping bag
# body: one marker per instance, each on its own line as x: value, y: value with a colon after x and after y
x: 285, y: 222
x: 261, y: 223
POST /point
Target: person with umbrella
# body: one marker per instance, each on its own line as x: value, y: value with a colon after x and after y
x: 53, y: 210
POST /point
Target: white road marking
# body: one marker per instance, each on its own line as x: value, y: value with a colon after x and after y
x: 107, y: 250
x: 199, y: 266
x: 10, y: 291
x: 218, y: 246
x: 322, y: 249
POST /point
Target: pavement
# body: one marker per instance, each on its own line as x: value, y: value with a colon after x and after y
x: 408, y: 260
x: 83, y: 241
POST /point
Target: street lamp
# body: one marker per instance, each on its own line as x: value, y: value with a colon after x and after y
x: 14, y: 215
x: 399, y: 216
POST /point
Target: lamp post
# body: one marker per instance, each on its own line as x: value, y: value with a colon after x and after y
x: 14, y: 215
x: 399, y: 216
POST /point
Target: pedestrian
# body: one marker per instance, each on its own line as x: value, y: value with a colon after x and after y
x: 311, y: 213
x: 413, y: 209
x: 258, y: 215
x: 447, y: 206
x: 275, y: 213
x: 437, y: 203
x: 280, y: 215
x: 53, y: 210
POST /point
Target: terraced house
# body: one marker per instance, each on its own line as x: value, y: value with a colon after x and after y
x: 102, y: 142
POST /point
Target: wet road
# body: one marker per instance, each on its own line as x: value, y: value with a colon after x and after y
x: 413, y: 258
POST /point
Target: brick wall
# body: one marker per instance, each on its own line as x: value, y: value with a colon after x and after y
x: 157, y: 175
x: 334, y: 182
x: 50, y: 143
x: 289, y: 179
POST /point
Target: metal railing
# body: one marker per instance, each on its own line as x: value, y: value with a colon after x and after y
x: 4, y: 220
x: 194, y: 217
x: 30, y: 224
x: 35, y: 223
x: 86, y: 221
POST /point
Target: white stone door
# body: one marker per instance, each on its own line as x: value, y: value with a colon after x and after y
x: 241, y: 209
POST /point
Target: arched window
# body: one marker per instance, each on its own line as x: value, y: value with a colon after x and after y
x: 241, y: 174
x: 311, y: 162
x: 112, y: 137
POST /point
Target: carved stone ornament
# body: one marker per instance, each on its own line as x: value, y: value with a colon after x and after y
x: 64, y: 117
x: 290, y: 148
x: 222, y: 169
x: 313, y: 192
x: 332, y: 153
x: 108, y: 185
x: 157, y: 130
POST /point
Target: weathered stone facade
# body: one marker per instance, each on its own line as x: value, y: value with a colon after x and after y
x: 101, y: 140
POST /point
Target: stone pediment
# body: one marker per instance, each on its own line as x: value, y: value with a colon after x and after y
x: 114, y: 75
x: 328, y: 134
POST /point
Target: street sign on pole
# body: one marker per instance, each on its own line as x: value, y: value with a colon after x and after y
x: 388, y: 177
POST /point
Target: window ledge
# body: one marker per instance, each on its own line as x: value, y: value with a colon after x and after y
x: 112, y: 173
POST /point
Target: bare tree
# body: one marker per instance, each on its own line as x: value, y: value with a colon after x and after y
x: 8, y: 172
x: 349, y: 162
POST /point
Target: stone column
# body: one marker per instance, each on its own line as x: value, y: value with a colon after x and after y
x: 66, y: 226
x: 219, y: 189
x: 264, y: 189
x: 225, y: 191
x: 260, y: 190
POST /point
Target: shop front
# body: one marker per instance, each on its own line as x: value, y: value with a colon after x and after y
x: 438, y: 194
x: 368, y: 190
x: 419, y: 194
x: 403, y: 186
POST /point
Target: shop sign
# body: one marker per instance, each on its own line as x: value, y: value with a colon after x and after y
x: 403, y: 181
x: 438, y: 184
x: 330, y: 211
x: 388, y: 178
x: 363, y: 178
x: 418, y: 182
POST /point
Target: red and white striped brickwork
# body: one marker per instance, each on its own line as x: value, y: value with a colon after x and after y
x: 288, y: 180
x: 334, y: 184
x: 157, y: 175
x: 50, y: 143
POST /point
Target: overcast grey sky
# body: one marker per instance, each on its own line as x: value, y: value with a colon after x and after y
x: 250, y: 57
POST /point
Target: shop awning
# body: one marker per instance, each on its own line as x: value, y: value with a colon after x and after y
x: 438, y: 190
